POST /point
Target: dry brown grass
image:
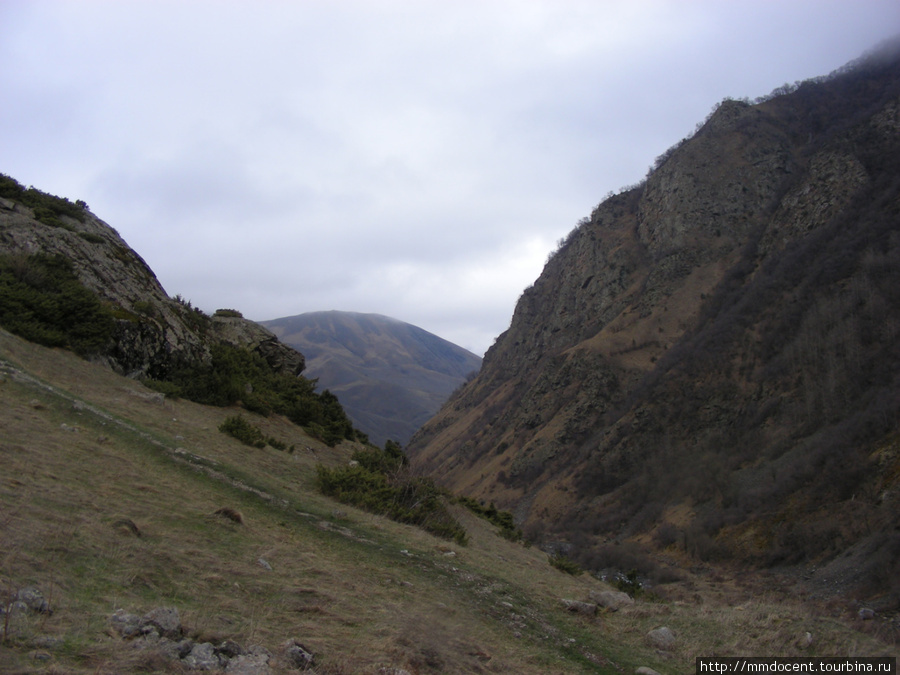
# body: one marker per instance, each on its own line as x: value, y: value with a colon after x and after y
x: 90, y: 466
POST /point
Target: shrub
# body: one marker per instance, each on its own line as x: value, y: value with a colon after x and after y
x: 629, y: 583
x: 42, y: 300
x: 239, y: 428
x: 91, y: 237
x: 565, y: 564
x: 46, y: 207
x: 236, y: 375
x: 503, y: 519
x: 167, y: 389
x: 385, y: 486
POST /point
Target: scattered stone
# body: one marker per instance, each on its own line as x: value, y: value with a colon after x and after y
x: 644, y: 670
x: 259, y: 650
x: 246, y: 664
x: 866, y: 614
x: 34, y: 600
x: 160, y: 630
x: 231, y: 649
x: 297, y: 655
x: 202, y: 657
x: 662, y: 638
x: 264, y: 564
x: 804, y: 641
x: 165, y: 620
x: 611, y: 600
x: 47, y: 642
x: 586, y: 608
x: 125, y: 624
x: 175, y: 650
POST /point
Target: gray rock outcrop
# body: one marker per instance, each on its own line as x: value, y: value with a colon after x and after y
x: 611, y: 600
x: 160, y: 629
x: 662, y: 638
x: 154, y: 332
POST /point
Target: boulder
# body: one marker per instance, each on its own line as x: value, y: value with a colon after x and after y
x: 247, y: 664
x: 125, y: 624
x: 34, y: 600
x: 662, y: 638
x: 611, y: 600
x: 231, y: 649
x: 297, y: 655
x: 165, y: 620
x: 202, y: 657
x: 586, y: 608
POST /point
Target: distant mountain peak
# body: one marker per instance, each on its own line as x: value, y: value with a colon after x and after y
x: 390, y: 376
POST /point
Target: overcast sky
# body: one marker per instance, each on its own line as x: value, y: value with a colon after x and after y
x: 418, y: 159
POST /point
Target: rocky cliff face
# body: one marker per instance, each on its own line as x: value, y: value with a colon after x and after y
x: 733, y: 317
x: 153, y: 331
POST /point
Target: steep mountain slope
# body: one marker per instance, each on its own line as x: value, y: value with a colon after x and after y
x: 709, y: 364
x: 390, y: 376
x: 118, y: 505
x: 152, y: 334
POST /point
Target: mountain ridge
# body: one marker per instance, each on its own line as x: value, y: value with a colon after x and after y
x: 390, y: 376
x: 733, y: 316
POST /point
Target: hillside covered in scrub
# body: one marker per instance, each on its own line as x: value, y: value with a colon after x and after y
x: 708, y: 369
x: 137, y: 537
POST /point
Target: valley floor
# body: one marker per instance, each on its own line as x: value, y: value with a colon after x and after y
x: 114, y: 498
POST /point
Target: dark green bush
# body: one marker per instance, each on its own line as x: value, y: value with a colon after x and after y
x: 247, y: 433
x: 565, y: 564
x: 46, y: 207
x: 385, y: 486
x: 236, y: 375
x: 503, y: 519
x: 629, y: 583
x: 42, y: 300
x: 168, y: 389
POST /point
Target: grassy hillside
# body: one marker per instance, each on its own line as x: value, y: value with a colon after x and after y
x: 109, y: 497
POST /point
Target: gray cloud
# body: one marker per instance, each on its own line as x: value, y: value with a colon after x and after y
x: 417, y: 159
